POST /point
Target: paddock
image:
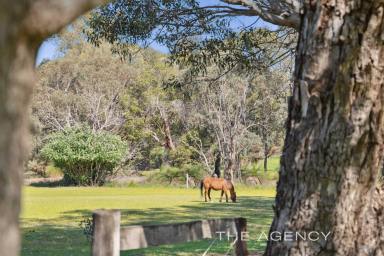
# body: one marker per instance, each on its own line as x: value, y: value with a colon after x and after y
x: 51, y: 216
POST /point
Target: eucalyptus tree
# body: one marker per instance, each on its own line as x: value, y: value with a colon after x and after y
x: 334, y: 139
x: 197, y: 35
x: 268, y: 108
x: 82, y: 87
x: 223, y: 106
x: 329, y: 176
x: 333, y: 147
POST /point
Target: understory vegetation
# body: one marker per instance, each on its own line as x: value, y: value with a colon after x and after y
x: 99, y: 116
x: 85, y: 158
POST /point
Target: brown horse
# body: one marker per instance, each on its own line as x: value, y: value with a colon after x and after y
x: 224, y: 185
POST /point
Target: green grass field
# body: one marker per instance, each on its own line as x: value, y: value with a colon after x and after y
x: 51, y: 216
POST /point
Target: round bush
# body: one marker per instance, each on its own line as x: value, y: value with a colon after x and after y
x: 86, y: 158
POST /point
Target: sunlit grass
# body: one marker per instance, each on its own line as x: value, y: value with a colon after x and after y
x: 274, y: 163
x: 51, y: 216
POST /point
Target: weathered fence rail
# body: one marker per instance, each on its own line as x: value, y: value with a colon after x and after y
x: 109, y: 238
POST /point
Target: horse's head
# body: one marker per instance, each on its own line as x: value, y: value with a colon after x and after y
x: 233, y: 195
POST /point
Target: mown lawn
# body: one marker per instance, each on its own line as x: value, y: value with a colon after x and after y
x: 51, y: 216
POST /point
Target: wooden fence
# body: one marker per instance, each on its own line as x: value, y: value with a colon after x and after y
x: 109, y: 238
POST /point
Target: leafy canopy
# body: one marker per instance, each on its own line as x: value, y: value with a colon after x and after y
x: 197, y: 35
x: 86, y: 158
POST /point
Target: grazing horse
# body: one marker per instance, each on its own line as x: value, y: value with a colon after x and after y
x: 214, y: 183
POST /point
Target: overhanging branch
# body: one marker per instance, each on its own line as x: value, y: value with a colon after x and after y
x: 283, y: 13
x: 46, y: 17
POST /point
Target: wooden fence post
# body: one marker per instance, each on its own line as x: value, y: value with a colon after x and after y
x: 241, y: 244
x: 106, y: 233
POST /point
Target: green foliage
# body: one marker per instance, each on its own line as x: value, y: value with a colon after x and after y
x: 196, y: 171
x: 156, y: 156
x: 171, y: 174
x: 180, y: 155
x: 86, y: 158
x: 133, y: 22
x: 53, y: 171
x: 269, y: 106
x: 248, y: 51
x: 256, y: 169
x: 234, y: 113
x: 196, y: 34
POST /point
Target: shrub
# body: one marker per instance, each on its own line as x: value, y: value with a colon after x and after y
x: 256, y: 169
x: 156, y: 156
x: 170, y: 174
x: 180, y: 156
x: 173, y: 174
x: 251, y: 169
x: 53, y: 171
x: 195, y: 171
x: 86, y: 158
x: 37, y: 167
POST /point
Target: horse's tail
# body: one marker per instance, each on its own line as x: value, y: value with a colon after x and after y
x: 201, y: 187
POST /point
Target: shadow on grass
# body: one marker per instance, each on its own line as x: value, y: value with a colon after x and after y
x: 49, y: 239
x: 48, y: 183
x: 44, y: 237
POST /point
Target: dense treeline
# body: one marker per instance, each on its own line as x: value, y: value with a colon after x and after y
x: 235, y: 119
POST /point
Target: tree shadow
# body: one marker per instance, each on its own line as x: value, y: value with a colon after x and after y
x: 48, y: 183
x: 49, y: 237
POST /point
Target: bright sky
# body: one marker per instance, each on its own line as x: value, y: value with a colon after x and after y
x: 48, y: 50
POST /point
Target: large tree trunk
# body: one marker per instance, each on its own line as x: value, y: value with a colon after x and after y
x: 16, y: 75
x: 23, y: 26
x: 334, y: 144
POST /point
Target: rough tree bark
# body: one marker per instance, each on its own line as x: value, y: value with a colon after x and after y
x: 334, y: 145
x: 23, y: 26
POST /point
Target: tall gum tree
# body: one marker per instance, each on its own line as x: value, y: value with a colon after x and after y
x: 334, y: 144
x: 24, y: 24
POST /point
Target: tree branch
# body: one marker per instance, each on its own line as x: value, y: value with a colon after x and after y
x: 283, y: 13
x: 46, y: 17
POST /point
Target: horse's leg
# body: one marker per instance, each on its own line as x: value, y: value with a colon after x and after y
x: 209, y: 194
x: 221, y: 197
x: 226, y: 195
x: 205, y: 193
